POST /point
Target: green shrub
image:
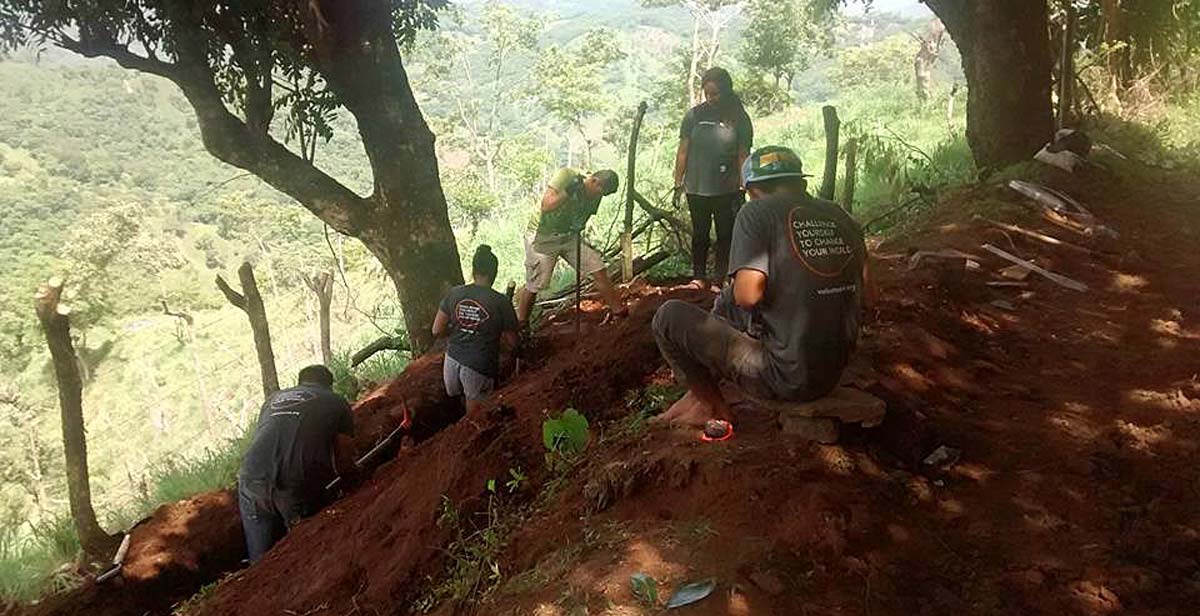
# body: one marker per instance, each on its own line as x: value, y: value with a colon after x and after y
x: 177, y: 479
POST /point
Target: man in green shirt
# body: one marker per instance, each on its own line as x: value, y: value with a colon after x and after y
x: 570, y: 200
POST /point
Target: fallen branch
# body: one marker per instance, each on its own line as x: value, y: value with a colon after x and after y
x: 1041, y: 237
x: 908, y: 204
x: 1058, y: 279
x: 386, y: 343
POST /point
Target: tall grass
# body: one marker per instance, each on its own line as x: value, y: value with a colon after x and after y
x: 38, y: 560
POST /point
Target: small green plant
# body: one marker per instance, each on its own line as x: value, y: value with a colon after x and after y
x: 472, y: 570
x: 517, y: 478
x: 190, y: 605
x: 565, y: 438
x: 645, y: 589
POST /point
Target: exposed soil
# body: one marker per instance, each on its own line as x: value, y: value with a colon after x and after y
x: 1078, y: 417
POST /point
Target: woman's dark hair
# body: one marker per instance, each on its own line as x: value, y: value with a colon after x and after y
x: 724, y: 82
x: 485, y: 263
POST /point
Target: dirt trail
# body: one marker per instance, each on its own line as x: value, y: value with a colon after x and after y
x: 1078, y: 415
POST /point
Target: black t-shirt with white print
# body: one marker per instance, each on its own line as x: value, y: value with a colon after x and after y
x: 293, y: 443
x: 812, y: 253
x: 478, y: 315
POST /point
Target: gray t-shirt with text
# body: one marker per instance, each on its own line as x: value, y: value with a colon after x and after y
x: 812, y: 253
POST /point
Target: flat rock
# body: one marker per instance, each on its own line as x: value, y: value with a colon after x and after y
x: 844, y: 404
x: 816, y: 429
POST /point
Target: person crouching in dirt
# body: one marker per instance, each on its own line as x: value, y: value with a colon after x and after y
x: 479, y: 321
x: 787, y: 326
x: 292, y: 457
x: 569, y: 201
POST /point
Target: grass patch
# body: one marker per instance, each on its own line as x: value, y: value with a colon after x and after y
x: 40, y: 562
x: 352, y: 382
x: 216, y: 468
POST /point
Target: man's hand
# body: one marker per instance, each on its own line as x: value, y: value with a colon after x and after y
x: 677, y: 196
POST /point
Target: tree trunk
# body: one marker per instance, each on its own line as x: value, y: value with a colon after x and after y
x: 1066, y: 72
x: 1007, y: 60
x: 693, y: 69
x: 410, y: 229
x: 322, y: 285
x: 250, y: 302
x: 56, y: 325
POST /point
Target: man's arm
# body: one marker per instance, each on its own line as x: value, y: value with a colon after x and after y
x: 749, y: 287
x: 439, y: 323
x: 552, y: 198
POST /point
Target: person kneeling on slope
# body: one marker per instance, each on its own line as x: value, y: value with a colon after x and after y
x: 479, y: 321
x: 292, y: 457
x: 787, y: 326
x: 569, y: 201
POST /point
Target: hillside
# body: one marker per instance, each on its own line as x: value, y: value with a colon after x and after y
x: 1071, y: 411
x: 105, y: 181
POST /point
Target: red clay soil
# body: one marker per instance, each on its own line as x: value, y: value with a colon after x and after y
x: 1078, y: 415
x: 181, y: 547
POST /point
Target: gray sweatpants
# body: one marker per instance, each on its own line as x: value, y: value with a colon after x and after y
x: 702, y: 345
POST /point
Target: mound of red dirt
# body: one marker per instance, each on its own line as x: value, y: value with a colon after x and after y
x: 373, y: 550
x: 1078, y: 417
x: 181, y: 547
x: 186, y: 545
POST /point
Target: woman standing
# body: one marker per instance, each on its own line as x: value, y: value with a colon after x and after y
x: 714, y: 140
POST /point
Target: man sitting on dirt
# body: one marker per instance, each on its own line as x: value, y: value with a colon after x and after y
x: 787, y: 326
x: 479, y: 320
x: 291, y: 458
x: 569, y: 201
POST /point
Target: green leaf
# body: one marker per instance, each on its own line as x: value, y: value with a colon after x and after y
x: 566, y: 434
x: 644, y: 588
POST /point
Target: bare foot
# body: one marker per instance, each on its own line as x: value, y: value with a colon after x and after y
x: 690, y: 410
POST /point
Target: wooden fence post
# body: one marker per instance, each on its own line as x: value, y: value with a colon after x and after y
x: 250, y: 302
x: 851, y: 176
x: 832, y: 129
x: 630, y: 188
x: 55, y: 319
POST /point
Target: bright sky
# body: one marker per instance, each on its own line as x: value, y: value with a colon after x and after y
x: 908, y: 8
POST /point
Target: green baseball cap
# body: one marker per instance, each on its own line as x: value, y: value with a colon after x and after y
x: 770, y: 163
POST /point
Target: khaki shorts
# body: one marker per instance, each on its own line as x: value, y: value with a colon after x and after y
x: 541, y: 255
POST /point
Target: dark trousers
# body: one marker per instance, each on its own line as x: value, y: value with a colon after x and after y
x: 267, y: 514
x: 703, y: 346
x: 706, y: 211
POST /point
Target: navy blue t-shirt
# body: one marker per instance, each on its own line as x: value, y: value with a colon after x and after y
x: 478, y: 316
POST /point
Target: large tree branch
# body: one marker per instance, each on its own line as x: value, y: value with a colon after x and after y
x: 233, y: 141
